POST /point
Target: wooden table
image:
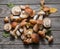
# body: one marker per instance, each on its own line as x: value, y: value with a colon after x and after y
x: 6, y: 43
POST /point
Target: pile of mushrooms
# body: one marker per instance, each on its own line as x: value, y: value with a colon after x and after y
x: 24, y: 23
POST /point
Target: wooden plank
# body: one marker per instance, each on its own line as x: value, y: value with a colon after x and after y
x: 30, y: 47
x: 28, y: 1
x: 56, y: 35
x: 5, y: 11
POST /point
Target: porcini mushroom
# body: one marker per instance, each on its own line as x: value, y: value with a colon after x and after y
x: 16, y: 10
x: 50, y: 38
x: 42, y: 33
x: 29, y: 11
x: 7, y: 27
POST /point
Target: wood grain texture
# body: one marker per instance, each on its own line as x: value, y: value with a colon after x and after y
x: 28, y: 1
x: 30, y: 47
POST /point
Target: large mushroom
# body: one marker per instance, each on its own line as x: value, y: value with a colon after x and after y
x: 29, y: 11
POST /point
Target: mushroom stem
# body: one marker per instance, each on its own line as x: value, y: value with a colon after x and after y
x: 50, y: 38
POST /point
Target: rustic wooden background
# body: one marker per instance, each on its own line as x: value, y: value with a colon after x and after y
x: 5, y: 43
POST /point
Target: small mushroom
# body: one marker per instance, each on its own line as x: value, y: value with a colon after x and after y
x: 7, y: 27
x: 32, y: 21
x: 42, y: 33
x: 36, y: 27
x: 47, y: 22
x: 46, y: 9
x: 16, y: 10
x: 24, y: 15
x: 15, y: 18
x: 29, y: 11
x: 13, y: 34
x: 35, y: 38
x: 35, y: 17
x: 6, y: 19
x: 50, y: 38
x: 14, y: 24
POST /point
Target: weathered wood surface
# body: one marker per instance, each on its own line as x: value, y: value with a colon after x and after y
x: 6, y: 43
x: 28, y: 1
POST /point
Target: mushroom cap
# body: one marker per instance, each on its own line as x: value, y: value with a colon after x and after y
x: 35, y: 38
x: 14, y: 24
x: 47, y: 22
x: 32, y: 21
x: 41, y: 33
x: 7, y: 27
x: 41, y: 12
x: 30, y: 11
x: 16, y: 10
x: 23, y: 15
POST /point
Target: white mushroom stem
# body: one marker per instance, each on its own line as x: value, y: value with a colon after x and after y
x: 14, y: 31
x: 21, y: 30
x: 35, y: 17
x: 13, y: 34
x: 18, y: 33
x: 40, y: 17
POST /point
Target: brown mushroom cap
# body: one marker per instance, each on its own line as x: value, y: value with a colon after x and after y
x: 41, y: 33
x: 35, y: 38
x: 32, y: 21
x: 14, y: 24
x: 29, y: 11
